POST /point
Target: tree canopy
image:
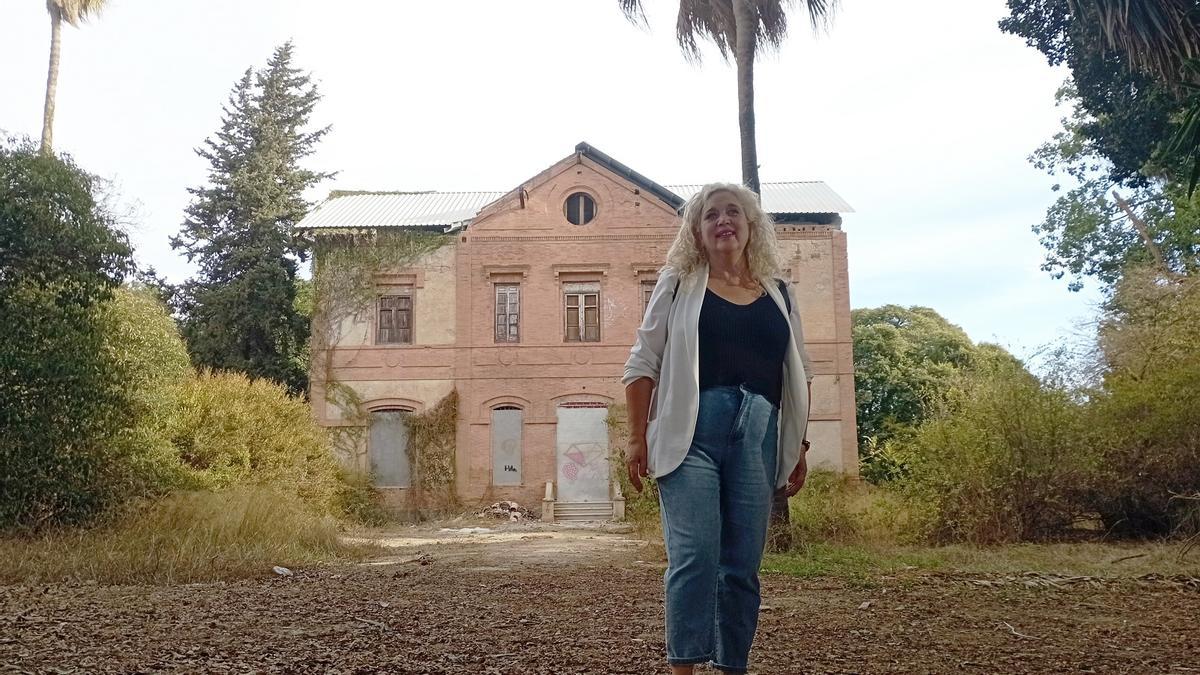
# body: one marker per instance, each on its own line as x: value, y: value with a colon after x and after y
x: 1122, y: 194
x: 61, y: 401
x: 239, y: 311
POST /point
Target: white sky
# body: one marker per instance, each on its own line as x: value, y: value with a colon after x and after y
x: 921, y: 116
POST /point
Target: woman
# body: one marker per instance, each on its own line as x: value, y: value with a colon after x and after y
x: 718, y: 385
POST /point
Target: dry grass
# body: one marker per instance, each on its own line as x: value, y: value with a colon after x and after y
x: 186, y: 537
x: 1083, y: 559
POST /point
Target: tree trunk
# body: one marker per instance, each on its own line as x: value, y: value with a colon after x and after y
x: 744, y: 48
x: 52, y: 80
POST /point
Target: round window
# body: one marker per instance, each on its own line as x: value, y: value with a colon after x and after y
x: 580, y: 208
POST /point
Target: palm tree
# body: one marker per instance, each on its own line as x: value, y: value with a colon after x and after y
x: 1159, y: 36
x: 745, y: 28
x: 73, y: 12
x: 1162, y: 38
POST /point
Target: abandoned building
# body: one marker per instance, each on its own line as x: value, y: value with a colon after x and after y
x: 527, y: 309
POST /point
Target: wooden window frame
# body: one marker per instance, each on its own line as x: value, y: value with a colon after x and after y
x: 576, y: 296
x: 512, y: 320
x: 411, y: 329
x: 645, y: 290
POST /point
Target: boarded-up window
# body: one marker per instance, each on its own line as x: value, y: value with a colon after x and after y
x: 508, y: 312
x: 395, y: 320
x: 506, y: 445
x: 647, y: 288
x: 388, y: 449
x: 582, y: 311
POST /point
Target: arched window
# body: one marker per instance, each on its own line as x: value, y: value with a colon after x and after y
x: 507, y: 434
x: 388, y: 448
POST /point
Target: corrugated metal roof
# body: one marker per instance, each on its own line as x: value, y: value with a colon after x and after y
x: 792, y: 197
x: 398, y: 209
x: 447, y: 209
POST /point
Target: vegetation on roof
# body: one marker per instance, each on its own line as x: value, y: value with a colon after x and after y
x: 334, y: 194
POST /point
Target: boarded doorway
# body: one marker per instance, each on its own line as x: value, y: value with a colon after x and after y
x: 388, y: 449
x: 582, y: 453
x: 506, y: 445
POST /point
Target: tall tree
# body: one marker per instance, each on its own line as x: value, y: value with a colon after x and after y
x: 744, y: 28
x: 1119, y: 144
x: 73, y: 12
x: 1161, y: 38
x: 239, y: 311
x: 62, y: 401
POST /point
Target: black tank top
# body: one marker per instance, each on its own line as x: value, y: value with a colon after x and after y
x: 743, y: 345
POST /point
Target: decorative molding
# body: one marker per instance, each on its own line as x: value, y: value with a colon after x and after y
x: 580, y: 237
x: 507, y: 270
x: 600, y: 269
x: 486, y: 407
x: 581, y: 397
x: 644, y: 269
x: 409, y: 278
x: 394, y: 403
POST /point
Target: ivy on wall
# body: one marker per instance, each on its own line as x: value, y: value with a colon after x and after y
x: 346, y: 264
x: 431, y: 445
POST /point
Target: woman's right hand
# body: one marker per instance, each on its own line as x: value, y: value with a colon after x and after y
x: 636, y: 460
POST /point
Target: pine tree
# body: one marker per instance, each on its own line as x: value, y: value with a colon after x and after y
x: 238, y: 312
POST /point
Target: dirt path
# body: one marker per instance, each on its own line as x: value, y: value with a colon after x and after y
x: 536, y: 600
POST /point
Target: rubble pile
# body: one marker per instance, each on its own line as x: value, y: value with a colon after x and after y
x: 508, y: 511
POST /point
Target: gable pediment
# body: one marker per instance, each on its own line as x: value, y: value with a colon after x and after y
x: 540, y: 205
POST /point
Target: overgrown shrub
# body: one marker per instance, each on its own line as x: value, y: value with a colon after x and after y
x: 641, y: 508
x: 152, y: 367
x: 1001, y: 460
x: 358, y: 500
x: 230, y: 430
x: 1148, y: 412
x: 61, y: 399
x: 834, y: 508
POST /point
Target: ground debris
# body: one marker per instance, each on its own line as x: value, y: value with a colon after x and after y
x: 577, y: 602
x: 507, y: 510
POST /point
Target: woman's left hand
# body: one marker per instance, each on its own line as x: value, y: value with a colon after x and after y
x: 799, y: 475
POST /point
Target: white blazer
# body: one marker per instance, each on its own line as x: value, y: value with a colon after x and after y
x: 667, y: 351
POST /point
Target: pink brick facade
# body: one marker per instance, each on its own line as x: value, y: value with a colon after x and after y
x: 523, y: 241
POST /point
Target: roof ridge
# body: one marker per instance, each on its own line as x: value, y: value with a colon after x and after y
x: 334, y: 194
x: 765, y: 182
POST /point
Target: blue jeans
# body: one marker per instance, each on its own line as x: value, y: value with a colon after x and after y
x: 715, y: 509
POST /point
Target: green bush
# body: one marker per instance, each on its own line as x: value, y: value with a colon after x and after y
x: 1148, y: 410
x: 61, y: 399
x: 1001, y: 460
x: 641, y: 508
x: 835, y: 508
x: 230, y: 430
x: 152, y: 364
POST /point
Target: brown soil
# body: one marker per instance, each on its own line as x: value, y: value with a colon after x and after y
x: 532, y: 599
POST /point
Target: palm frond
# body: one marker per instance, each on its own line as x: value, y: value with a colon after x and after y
x: 75, y: 12
x: 820, y: 12
x: 633, y: 10
x: 705, y: 19
x: 1157, y: 35
x: 713, y: 20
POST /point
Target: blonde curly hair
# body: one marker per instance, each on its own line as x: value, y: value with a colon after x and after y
x: 686, y: 254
